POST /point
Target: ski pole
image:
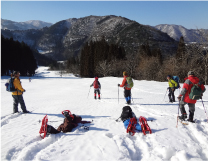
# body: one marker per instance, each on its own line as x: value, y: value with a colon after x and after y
x: 118, y: 119
x: 118, y: 94
x: 165, y: 95
x: 89, y: 92
x: 204, y: 109
x: 178, y: 113
x: 132, y: 98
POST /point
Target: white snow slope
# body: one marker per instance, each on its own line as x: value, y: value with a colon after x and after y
x: 106, y: 139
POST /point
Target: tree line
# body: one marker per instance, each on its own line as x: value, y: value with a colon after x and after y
x: 17, y: 56
x: 102, y: 59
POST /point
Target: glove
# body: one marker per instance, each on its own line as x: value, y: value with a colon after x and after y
x: 24, y: 90
x: 119, y: 85
x: 168, y: 87
x: 90, y: 85
x: 173, y: 89
x: 66, y: 114
x: 179, y: 98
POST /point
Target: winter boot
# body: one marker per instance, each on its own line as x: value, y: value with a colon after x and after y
x: 191, y: 116
x: 99, y: 97
x: 183, y: 117
x: 95, y: 97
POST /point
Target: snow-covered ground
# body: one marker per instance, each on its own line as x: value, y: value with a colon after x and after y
x: 48, y: 93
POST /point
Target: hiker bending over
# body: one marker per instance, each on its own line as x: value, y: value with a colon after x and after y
x: 97, y: 86
x: 70, y: 121
x: 186, y: 98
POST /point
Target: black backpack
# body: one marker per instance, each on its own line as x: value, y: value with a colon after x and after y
x: 126, y: 113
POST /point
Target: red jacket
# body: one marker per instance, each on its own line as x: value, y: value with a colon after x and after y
x: 124, y: 83
x: 188, y: 84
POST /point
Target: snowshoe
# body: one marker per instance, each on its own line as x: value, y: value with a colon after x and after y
x: 132, y: 126
x: 43, y: 128
x: 144, y: 126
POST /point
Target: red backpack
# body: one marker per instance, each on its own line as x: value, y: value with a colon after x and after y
x: 95, y: 84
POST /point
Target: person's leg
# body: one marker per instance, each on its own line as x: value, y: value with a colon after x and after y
x: 129, y: 97
x: 169, y: 95
x: 138, y: 127
x: 95, y: 93
x: 52, y: 130
x: 173, y: 96
x: 98, y: 93
x: 126, y: 95
x: 126, y: 123
x: 22, y: 103
x: 191, y: 111
x: 183, y: 111
x: 15, y: 103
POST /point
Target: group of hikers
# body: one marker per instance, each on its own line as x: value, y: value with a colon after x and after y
x: 72, y: 121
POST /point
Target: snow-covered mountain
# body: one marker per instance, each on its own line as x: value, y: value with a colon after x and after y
x: 176, y: 31
x: 66, y: 38
x: 32, y: 24
x: 49, y: 93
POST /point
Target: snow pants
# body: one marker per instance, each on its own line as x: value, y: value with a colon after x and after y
x: 97, y: 91
x: 127, y: 95
x: 18, y: 99
x: 171, y: 94
x: 191, y: 107
x: 138, y: 126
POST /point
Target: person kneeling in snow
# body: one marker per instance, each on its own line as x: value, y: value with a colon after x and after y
x: 71, y: 121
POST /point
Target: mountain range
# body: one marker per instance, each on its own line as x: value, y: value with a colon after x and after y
x: 66, y: 38
x: 32, y: 24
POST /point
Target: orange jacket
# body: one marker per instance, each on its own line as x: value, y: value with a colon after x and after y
x: 124, y: 83
x: 18, y: 86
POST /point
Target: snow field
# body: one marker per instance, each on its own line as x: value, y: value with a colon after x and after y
x: 48, y: 93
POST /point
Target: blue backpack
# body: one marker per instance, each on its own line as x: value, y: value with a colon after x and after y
x: 10, y: 86
x: 176, y: 79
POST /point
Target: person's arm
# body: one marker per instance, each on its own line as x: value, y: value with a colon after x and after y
x: 174, y: 82
x: 18, y: 85
x: 123, y: 82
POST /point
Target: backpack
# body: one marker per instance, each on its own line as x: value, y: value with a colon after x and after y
x: 95, y: 84
x: 126, y: 113
x: 10, y: 86
x: 176, y: 79
x: 130, y: 82
x: 196, y: 92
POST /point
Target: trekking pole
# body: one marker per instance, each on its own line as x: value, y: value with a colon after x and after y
x: 132, y: 98
x: 204, y: 109
x: 165, y: 95
x: 178, y: 113
x: 88, y: 92
x: 118, y: 95
x: 118, y: 119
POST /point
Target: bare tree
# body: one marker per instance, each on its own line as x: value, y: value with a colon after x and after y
x: 104, y: 68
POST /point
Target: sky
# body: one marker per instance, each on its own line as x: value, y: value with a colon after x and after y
x: 190, y: 14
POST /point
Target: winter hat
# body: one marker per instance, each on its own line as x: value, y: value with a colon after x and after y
x: 124, y: 73
x: 15, y: 72
x: 96, y: 77
x: 169, y: 76
x: 190, y: 73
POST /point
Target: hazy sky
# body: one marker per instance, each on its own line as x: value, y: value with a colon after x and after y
x: 190, y: 14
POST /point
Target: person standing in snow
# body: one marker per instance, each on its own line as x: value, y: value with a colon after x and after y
x: 97, y: 87
x: 172, y: 85
x: 17, y: 95
x: 127, y: 91
x: 184, y: 96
